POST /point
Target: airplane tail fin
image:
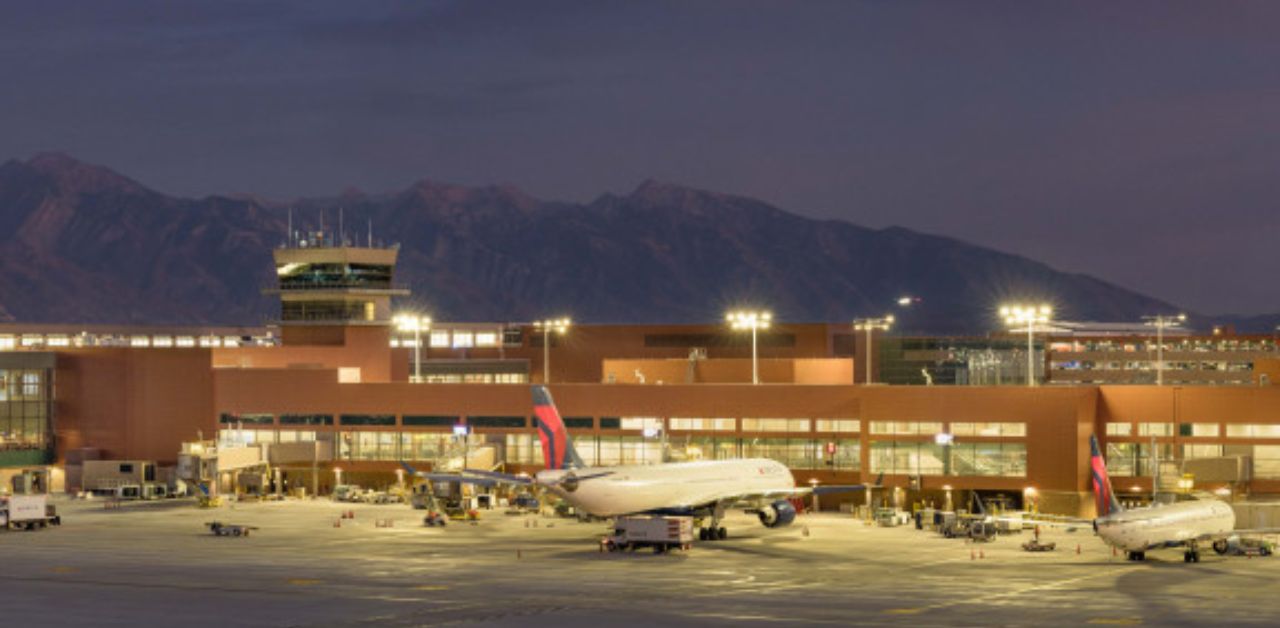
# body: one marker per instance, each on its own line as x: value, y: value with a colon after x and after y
x: 1104, y: 497
x: 557, y: 447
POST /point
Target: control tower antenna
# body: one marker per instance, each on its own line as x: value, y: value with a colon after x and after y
x: 342, y: 236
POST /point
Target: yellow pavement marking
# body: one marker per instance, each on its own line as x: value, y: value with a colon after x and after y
x: 63, y: 570
x: 432, y: 587
x: 303, y: 582
x: 903, y: 611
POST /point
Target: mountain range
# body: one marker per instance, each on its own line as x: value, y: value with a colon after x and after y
x: 81, y: 243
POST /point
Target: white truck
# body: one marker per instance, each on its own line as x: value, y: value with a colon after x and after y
x: 27, y: 512
x: 660, y: 533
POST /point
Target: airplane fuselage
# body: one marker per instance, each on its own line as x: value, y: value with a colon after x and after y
x: 1162, y: 526
x: 623, y: 490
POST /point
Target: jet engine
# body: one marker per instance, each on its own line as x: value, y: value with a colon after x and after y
x: 778, y: 514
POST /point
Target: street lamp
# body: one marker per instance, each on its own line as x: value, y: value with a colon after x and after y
x: 869, y: 325
x: 755, y: 321
x: 1028, y: 315
x: 416, y: 324
x: 1160, y: 322
x: 557, y: 325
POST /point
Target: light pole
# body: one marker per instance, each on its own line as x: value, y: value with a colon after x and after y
x: 755, y: 321
x: 1160, y: 322
x: 1027, y: 315
x: 557, y: 325
x: 416, y: 324
x: 869, y: 325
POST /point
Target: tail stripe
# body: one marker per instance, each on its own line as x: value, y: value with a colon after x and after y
x: 1103, y: 495
x: 556, y: 452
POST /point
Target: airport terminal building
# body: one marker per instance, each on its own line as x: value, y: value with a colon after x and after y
x: 337, y: 388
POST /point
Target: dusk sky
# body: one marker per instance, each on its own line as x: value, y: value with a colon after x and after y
x: 1135, y: 141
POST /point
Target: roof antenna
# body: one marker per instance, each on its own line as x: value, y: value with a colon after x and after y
x: 320, y: 233
x: 342, y: 236
x: 370, y: 233
x: 288, y: 236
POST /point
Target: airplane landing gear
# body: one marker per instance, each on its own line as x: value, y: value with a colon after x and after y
x: 1192, y: 555
x: 1136, y: 556
x: 713, y: 533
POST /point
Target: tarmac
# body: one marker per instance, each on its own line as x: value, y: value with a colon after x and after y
x: 156, y: 564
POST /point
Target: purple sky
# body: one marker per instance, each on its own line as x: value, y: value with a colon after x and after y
x: 1136, y: 141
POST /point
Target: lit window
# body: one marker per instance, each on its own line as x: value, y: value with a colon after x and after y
x: 31, y: 384
x: 140, y: 341
x: 1155, y: 429
x: 719, y: 425
x: 486, y: 339
x: 7, y: 343
x: 463, y: 340
x: 185, y: 341
x: 231, y: 341
x: 641, y: 423
x: 162, y: 341
x: 211, y: 341
x: 30, y: 340
x: 1198, y: 429
x: 838, y: 425
x: 989, y: 429
x: 1119, y: 429
x: 440, y: 339
x: 1253, y: 431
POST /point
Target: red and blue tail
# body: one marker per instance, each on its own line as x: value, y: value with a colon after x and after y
x: 1104, y: 497
x: 557, y: 447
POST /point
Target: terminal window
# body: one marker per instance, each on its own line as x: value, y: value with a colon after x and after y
x: 429, y: 421
x: 497, y: 421
x: 1155, y: 429
x: 705, y: 425
x: 1252, y: 431
x: 908, y: 428
x: 989, y: 429
x: 247, y: 418
x: 368, y: 419
x: 838, y: 425
x: 1119, y: 429
x: 775, y: 425
x: 1266, y: 462
x: 579, y: 422
x: 306, y: 419
x: 1198, y: 429
x: 957, y: 459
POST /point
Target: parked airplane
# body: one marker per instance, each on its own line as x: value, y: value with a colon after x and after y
x: 702, y: 489
x: 1187, y: 524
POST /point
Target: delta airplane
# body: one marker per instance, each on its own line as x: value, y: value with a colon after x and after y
x: 1187, y: 524
x: 704, y: 490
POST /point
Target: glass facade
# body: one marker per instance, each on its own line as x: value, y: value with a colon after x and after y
x: 26, y: 404
x: 960, y: 459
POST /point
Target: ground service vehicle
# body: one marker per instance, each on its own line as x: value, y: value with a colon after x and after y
x: 224, y: 529
x: 660, y: 533
x: 27, y: 512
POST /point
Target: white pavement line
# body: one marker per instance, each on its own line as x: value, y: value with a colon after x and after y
x: 1022, y: 590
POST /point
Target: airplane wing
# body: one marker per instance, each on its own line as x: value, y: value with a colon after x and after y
x: 467, y: 476
x: 759, y: 499
x: 1247, y: 532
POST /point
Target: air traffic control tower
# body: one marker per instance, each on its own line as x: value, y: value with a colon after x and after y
x: 331, y: 288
